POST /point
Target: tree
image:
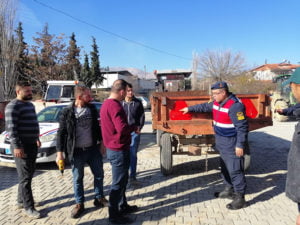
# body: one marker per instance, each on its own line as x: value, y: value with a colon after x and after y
x: 73, y: 65
x: 22, y: 63
x: 9, y: 49
x: 246, y: 84
x: 85, y: 75
x: 97, y: 77
x: 221, y: 65
x: 48, y: 58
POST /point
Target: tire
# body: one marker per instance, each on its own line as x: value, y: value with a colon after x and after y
x: 247, y: 158
x: 280, y: 105
x: 247, y: 162
x: 166, y: 159
x: 158, y: 137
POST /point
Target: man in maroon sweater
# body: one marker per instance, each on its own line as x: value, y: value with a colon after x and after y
x: 116, y: 135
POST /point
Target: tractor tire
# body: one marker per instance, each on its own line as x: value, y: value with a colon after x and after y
x: 276, y: 116
x: 247, y: 162
x: 158, y: 137
x: 166, y: 159
x: 247, y: 157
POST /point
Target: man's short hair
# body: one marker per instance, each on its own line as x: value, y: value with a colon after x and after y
x: 22, y: 84
x: 79, y: 90
x: 129, y: 85
x: 119, y: 85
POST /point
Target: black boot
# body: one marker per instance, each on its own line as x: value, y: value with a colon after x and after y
x: 115, y: 217
x: 226, y: 193
x: 238, y: 202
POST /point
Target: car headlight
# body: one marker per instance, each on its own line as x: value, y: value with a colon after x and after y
x: 2, y: 138
x: 48, y: 138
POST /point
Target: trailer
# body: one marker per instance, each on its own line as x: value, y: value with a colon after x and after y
x: 192, y: 133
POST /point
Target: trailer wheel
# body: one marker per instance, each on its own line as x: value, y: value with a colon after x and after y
x: 247, y: 161
x: 158, y: 136
x: 166, y: 154
x: 247, y: 157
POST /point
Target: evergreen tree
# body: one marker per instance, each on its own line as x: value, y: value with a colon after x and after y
x: 97, y: 77
x: 73, y: 64
x: 22, y: 63
x: 85, y: 75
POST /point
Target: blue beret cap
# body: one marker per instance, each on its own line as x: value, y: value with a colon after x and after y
x: 295, y: 78
x: 219, y: 85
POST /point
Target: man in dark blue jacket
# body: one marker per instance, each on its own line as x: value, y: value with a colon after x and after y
x: 134, y: 110
x: 231, y: 130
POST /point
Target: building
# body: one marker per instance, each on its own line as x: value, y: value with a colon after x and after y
x: 269, y: 71
x: 111, y: 76
x: 172, y: 80
x: 140, y: 86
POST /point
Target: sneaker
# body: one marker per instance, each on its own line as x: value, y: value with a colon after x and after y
x: 128, y: 209
x: 100, y: 202
x: 120, y: 220
x: 32, y: 213
x: 20, y: 205
x: 77, y: 210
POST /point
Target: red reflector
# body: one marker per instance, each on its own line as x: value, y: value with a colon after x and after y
x: 251, y: 111
x: 175, y: 114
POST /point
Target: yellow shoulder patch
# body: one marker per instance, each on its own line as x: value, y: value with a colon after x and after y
x: 240, y: 116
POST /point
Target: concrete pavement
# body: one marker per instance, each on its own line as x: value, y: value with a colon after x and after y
x: 185, y: 197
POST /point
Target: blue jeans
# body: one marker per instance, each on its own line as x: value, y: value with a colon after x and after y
x: 93, y: 158
x: 135, y: 142
x: 119, y: 161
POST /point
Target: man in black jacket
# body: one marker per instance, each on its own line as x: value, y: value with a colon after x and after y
x: 79, y: 138
x: 134, y: 110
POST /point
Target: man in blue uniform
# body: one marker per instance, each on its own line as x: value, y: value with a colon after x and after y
x: 231, y: 130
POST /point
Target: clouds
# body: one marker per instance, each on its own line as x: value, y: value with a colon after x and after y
x: 28, y: 17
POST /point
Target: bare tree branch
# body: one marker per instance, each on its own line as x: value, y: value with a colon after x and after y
x: 221, y: 64
x: 9, y: 48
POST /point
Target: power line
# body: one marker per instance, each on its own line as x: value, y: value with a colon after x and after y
x: 109, y: 32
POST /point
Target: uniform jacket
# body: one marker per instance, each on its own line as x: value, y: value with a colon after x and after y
x: 135, y: 112
x: 229, y: 118
x: 293, y: 176
x: 290, y: 111
x: 67, y: 128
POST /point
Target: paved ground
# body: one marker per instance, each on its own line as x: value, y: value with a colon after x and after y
x: 185, y: 197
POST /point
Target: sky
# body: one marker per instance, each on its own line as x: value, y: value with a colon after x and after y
x: 164, y: 34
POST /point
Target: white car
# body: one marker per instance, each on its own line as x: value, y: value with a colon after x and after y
x: 48, y: 119
x: 145, y: 101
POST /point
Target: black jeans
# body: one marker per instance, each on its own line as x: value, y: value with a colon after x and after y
x: 25, y: 168
x: 119, y: 161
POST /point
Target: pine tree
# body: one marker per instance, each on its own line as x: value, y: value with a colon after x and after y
x: 73, y: 65
x: 85, y: 75
x: 22, y: 63
x: 97, y: 77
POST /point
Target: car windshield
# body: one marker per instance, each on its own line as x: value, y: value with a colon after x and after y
x: 51, y: 114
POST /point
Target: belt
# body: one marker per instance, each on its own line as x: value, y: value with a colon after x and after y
x: 83, y: 148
